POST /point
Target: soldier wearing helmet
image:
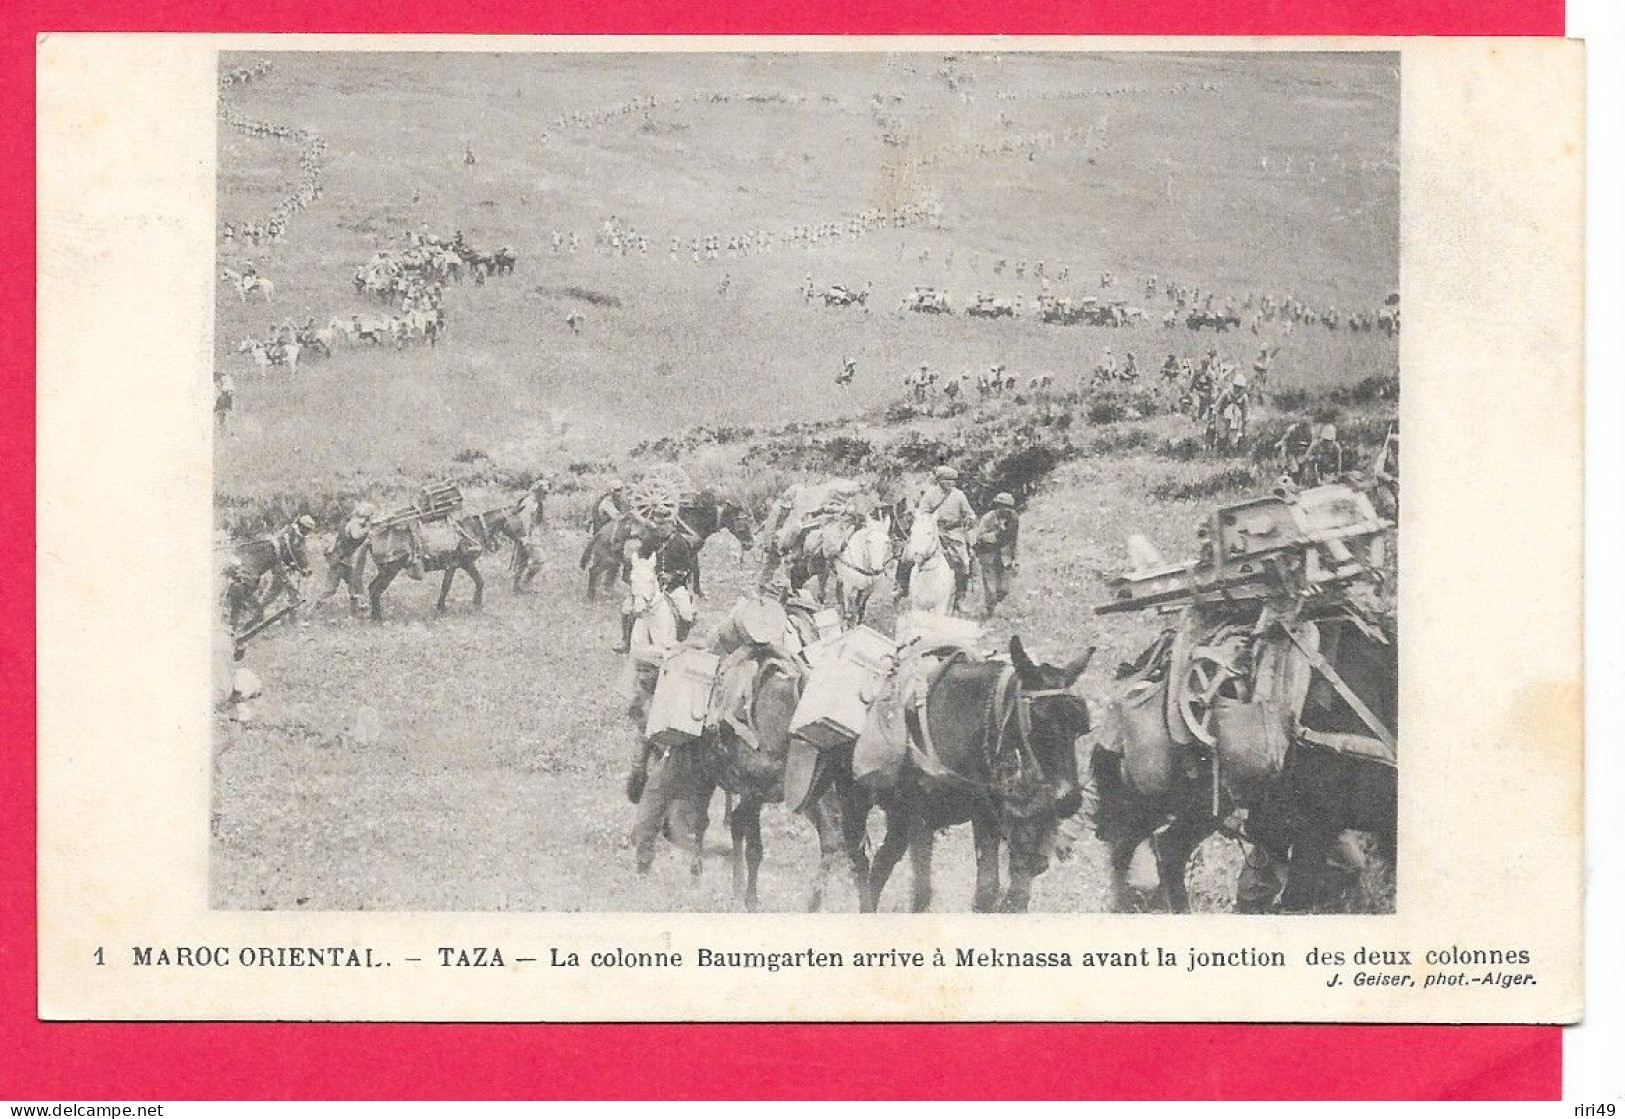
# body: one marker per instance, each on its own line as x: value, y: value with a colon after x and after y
x: 610, y: 506
x: 1233, y: 392
x: 995, y: 543
x: 956, y: 520
x: 344, y: 560
x: 1292, y: 451
x: 1201, y: 388
x: 1325, y: 456
x: 290, y: 542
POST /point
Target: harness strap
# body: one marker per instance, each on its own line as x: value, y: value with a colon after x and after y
x: 922, y: 747
x: 867, y: 572
x: 1366, y: 715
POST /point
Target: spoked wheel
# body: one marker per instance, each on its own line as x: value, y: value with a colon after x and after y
x: 1211, y: 667
x: 657, y: 496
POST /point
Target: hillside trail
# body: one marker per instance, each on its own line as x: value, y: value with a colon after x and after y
x: 474, y: 760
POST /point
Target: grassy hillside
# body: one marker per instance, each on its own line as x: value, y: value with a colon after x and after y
x: 404, y: 765
x: 1275, y: 177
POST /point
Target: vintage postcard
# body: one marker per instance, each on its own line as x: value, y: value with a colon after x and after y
x: 809, y: 529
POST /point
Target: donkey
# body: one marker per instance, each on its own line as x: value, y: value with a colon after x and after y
x: 993, y: 745
x: 395, y: 548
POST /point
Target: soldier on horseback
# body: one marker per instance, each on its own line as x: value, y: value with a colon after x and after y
x: 527, y: 522
x: 956, y: 520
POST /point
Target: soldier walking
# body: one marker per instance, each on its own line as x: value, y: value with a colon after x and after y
x: 343, y: 553
x: 1325, y: 457
x: 996, y: 536
x: 609, y: 508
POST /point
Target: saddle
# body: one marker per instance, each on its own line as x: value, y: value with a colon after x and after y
x: 828, y: 538
x: 898, y: 729
x: 733, y: 700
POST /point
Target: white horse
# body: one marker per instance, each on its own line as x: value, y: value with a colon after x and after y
x: 246, y: 284
x: 660, y: 617
x: 267, y: 354
x: 261, y: 355
x: 931, y: 585
x: 861, y: 564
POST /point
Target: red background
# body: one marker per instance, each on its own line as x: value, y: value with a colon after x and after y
x: 254, y: 1061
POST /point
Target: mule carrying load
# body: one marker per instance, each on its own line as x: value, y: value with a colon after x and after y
x: 420, y: 529
x: 1282, y: 636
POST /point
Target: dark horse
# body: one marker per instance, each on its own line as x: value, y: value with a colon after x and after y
x: 269, y: 564
x: 998, y: 749
x: 395, y: 548
x: 1295, y: 821
x: 699, y: 518
x: 760, y: 773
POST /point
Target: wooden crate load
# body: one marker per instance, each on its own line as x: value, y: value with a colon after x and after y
x: 921, y: 631
x: 847, y: 674
x: 682, y: 698
x: 828, y: 623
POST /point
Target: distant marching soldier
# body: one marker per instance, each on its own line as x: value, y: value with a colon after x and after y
x: 1292, y: 452
x: 225, y: 398
x: 649, y: 540
x: 996, y: 535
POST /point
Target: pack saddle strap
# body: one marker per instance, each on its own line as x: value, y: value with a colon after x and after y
x: 1367, y: 716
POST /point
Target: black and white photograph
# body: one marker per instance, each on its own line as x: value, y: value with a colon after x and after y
x: 696, y: 481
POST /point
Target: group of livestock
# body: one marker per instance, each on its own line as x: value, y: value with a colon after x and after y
x: 781, y: 701
x: 1189, y: 307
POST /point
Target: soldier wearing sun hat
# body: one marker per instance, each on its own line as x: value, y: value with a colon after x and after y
x: 944, y: 500
x: 995, y: 544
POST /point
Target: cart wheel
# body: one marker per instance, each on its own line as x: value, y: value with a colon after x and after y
x: 657, y: 496
x: 1204, y: 677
